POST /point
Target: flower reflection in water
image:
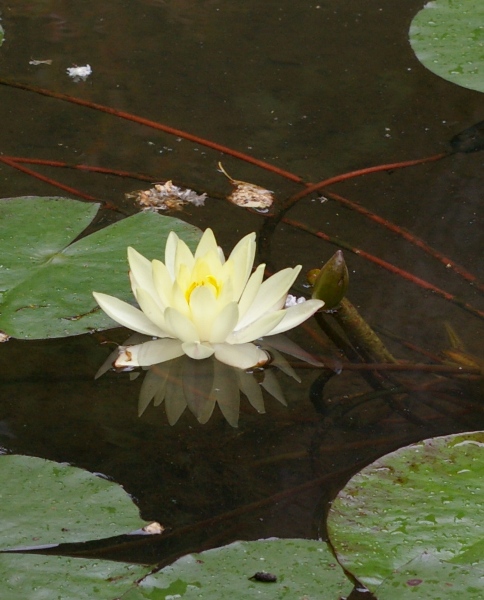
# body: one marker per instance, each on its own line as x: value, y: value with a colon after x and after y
x: 200, y: 385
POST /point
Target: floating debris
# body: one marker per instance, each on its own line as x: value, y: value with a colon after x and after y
x: 293, y: 300
x: 248, y: 195
x: 167, y: 196
x: 264, y: 577
x: 40, y: 62
x: 153, y: 528
x: 79, y: 73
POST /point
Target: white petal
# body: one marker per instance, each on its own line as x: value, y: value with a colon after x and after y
x: 170, y: 253
x: 271, y: 295
x: 221, y: 255
x: 151, y: 309
x: 180, y: 326
x: 206, y: 244
x: 242, y: 257
x: 179, y: 301
x: 183, y: 256
x: 224, y: 323
x: 279, y: 361
x: 149, y: 353
x: 256, y: 329
x: 140, y: 271
x: 127, y: 315
x: 251, y: 290
x: 243, y: 356
x: 284, y: 344
x: 226, y: 294
x: 295, y: 315
x: 204, y: 308
x: 163, y: 283
x: 197, y: 350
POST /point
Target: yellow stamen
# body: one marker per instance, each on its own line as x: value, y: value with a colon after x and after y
x: 208, y: 280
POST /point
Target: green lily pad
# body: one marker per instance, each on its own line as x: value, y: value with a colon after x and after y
x: 448, y: 38
x: 46, y: 281
x: 303, y: 569
x: 428, y: 577
x: 47, y: 577
x: 424, y: 499
x: 44, y: 502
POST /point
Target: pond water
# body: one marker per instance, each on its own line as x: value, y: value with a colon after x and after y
x: 317, y: 89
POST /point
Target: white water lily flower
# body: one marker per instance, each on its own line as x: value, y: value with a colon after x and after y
x: 202, y: 305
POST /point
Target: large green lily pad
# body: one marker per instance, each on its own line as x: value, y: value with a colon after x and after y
x: 46, y: 281
x: 35, y: 577
x: 448, y: 38
x: 44, y: 502
x: 423, y: 500
x: 305, y: 569
x: 428, y: 577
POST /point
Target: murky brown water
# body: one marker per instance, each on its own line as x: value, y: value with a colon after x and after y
x: 317, y: 89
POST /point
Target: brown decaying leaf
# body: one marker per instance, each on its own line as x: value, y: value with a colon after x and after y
x: 248, y: 195
x: 167, y: 196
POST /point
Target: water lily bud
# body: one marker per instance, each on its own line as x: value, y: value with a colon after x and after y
x: 312, y: 275
x: 332, y: 281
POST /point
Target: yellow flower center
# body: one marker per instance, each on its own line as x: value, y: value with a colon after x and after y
x: 208, y: 281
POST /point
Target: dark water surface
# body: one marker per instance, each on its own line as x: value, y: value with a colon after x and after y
x: 317, y: 88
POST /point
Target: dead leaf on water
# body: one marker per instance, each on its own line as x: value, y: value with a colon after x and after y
x: 167, y: 196
x: 248, y: 195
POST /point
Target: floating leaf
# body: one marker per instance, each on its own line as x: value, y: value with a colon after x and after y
x: 44, y: 502
x: 422, y: 500
x: 248, y: 195
x: 301, y: 568
x: 46, y: 284
x: 167, y: 196
x: 47, y: 577
x: 448, y: 38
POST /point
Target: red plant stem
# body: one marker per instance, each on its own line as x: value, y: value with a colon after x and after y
x: 388, y: 266
x: 262, y: 164
x: 314, y: 187
x: 66, y: 188
x: 56, y: 163
x: 448, y: 262
x: 154, y: 125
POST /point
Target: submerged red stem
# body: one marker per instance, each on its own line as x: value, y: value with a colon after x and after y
x: 389, y: 267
